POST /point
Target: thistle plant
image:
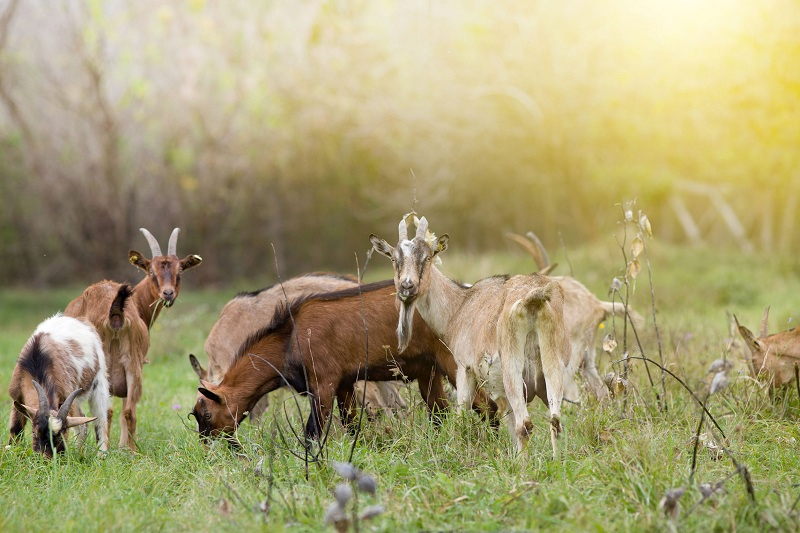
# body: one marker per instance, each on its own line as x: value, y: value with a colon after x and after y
x: 347, y: 491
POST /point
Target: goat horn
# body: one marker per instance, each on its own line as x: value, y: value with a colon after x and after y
x: 764, y: 331
x: 403, y: 230
x: 155, y: 249
x: 65, y: 407
x: 422, y: 228
x: 44, y: 403
x: 172, y: 247
x: 535, y: 240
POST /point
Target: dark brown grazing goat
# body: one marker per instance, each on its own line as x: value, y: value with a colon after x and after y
x: 62, y: 363
x: 248, y: 312
x: 125, y: 332
x: 320, y: 349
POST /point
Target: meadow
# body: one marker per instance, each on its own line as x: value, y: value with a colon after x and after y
x: 619, y: 458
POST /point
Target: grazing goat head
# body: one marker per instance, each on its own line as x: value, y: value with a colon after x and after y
x: 50, y: 426
x: 163, y: 271
x: 215, y: 418
x: 775, y: 356
x: 412, y: 260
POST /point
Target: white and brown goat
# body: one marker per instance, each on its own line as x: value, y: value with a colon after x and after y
x: 507, y: 333
x: 125, y: 333
x: 61, y: 365
x: 775, y: 357
x: 583, y: 314
x: 248, y: 312
x: 321, y: 345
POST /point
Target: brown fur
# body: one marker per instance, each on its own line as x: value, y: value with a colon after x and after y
x: 249, y: 312
x: 774, y: 357
x: 125, y: 332
x: 125, y: 348
x: 324, y: 354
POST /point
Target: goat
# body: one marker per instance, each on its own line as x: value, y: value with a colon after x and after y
x: 317, y: 345
x: 62, y: 362
x: 126, y: 331
x: 775, y: 356
x: 249, y: 311
x: 517, y: 321
x: 583, y: 314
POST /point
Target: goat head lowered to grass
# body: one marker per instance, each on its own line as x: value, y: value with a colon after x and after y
x: 60, y: 365
x: 505, y: 331
x: 248, y: 312
x: 775, y: 356
x: 125, y: 332
x: 321, y: 345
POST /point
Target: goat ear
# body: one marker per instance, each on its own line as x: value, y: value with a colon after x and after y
x: 199, y: 370
x: 381, y: 246
x: 190, y: 261
x: 73, y: 421
x: 752, y: 342
x: 30, y: 412
x: 441, y: 244
x: 137, y: 259
x: 210, y: 395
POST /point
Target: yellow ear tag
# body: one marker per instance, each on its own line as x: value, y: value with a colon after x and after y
x: 134, y: 258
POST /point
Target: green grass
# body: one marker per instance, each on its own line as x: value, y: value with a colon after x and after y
x: 618, y: 458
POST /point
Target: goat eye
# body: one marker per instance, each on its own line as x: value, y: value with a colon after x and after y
x: 207, y: 417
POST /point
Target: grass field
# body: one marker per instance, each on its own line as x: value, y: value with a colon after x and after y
x: 619, y: 458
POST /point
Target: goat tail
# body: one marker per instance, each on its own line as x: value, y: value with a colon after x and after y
x: 534, y: 300
x: 618, y: 309
x: 540, y: 295
x: 116, y: 314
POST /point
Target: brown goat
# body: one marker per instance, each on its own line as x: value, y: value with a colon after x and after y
x: 317, y: 346
x: 775, y: 357
x: 250, y: 311
x: 583, y: 314
x: 125, y: 332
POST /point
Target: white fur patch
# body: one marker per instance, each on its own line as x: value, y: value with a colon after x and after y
x: 65, y: 330
x: 55, y: 424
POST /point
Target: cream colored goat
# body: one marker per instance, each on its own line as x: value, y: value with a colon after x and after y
x: 507, y: 333
x: 583, y: 314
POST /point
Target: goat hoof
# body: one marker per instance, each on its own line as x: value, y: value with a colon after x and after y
x: 555, y: 426
x: 525, y: 431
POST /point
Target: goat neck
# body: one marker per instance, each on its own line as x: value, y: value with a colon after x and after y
x: 439, y: 303
x: 255, y: 371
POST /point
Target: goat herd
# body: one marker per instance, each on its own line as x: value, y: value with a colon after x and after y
x: 499, y: 342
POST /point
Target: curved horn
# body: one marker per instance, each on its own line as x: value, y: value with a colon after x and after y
x: 65, y: 407
x: 155, y: 249
x: 403, y: 230
x: 533, y: 246
x: 422, y: 228
x: 172, y: 247
x: 44, y: 403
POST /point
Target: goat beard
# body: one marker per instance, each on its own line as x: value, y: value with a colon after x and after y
x: 404, y: 325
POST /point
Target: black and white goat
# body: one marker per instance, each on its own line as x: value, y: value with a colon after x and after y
x: 61, y: 365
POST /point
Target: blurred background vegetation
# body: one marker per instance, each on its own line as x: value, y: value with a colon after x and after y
x: 308, y: 125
